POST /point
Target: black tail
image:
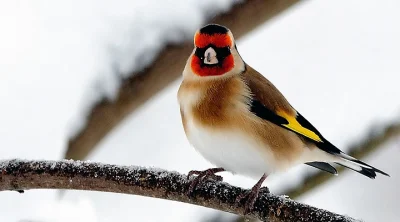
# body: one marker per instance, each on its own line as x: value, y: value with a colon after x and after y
x: 359, y: 166
x: 323, y: 166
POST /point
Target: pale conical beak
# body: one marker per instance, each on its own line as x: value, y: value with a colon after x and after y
x: 210, y: 56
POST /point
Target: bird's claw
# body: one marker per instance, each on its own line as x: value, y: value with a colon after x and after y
x: 251, y: 195
x: 207, y: 175
x: 202, y: 176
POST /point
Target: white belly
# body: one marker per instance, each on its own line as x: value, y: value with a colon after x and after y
x: 232, y: 150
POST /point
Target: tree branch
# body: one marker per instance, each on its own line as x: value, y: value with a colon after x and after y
x: 23, y: 174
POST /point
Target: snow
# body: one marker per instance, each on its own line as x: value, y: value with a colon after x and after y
x: 336, y: 62
x: 88, y: 54
x: 57, y: 60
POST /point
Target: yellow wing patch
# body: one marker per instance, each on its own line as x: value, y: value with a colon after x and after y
x: 295, y: 126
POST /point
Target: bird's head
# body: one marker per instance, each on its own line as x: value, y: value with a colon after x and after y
x: 215, y: 53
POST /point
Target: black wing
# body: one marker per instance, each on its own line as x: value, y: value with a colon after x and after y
x: 263, y: 112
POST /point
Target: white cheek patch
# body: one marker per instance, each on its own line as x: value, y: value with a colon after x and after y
x: 210, y: 56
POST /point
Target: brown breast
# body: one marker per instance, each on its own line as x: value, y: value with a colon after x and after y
x: 223, y: 104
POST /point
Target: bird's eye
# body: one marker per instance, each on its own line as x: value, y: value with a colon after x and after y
x: 224, y: 52
x: 199, y: 53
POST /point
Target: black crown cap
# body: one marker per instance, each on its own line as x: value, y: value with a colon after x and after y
x: 213, y: 29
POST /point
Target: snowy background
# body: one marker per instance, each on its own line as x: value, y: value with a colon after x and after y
x: 337, y: 62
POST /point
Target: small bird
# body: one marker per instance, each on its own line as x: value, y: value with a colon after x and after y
x: 241, y: 123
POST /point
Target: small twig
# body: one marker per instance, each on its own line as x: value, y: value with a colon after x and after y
x: 83, y: 175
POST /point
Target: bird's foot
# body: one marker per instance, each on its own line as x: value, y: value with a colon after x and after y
x: 251, y: 195
x: 202, y: 176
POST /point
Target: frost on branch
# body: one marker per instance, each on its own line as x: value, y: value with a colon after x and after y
x: 84, y: 175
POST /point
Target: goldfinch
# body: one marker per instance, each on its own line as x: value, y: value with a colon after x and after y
x: 240, y: 122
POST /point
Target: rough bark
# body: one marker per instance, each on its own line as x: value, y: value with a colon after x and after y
x: 141, y: 86
x: 21, y: 175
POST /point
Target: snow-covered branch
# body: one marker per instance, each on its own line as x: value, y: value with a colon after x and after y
x: 21, y: 175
